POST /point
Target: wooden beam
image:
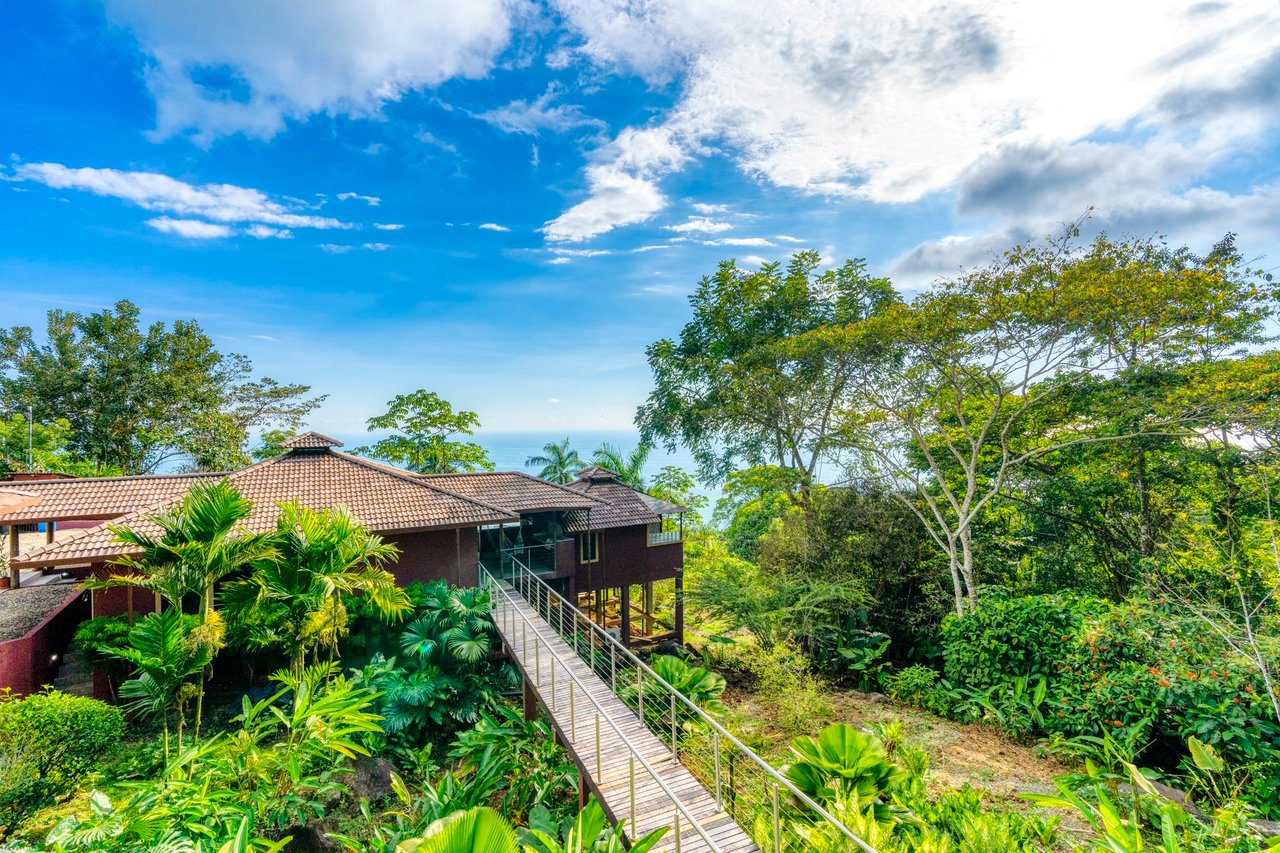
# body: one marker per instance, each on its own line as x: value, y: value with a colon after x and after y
x: 679, y: 606
x: 626, y: 616
x: 48, y: 532
x: 15, y: 574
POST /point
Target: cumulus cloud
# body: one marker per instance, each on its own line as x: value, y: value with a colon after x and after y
x: 220, y: 203
x: 193, y: 229
x: 492, y: 226
x: 710, y: 209
x: 388, y: 226
x: 893, y: 100
x: 243, y: 66
x: 344, y: 248
x: 622, y: 185
x: 581, y: 253
x: 264, y: 232
x: 540, y: 114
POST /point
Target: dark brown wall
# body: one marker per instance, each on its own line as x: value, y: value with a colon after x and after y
x: 437, y: 554
x: 26, y: 663
x: 627, y: 558
x: 115, y: 601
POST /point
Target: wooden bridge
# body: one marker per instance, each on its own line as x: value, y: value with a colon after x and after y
x: 651, y: 757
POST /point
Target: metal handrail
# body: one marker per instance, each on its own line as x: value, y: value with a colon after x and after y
x: 636, y: 756
x: 777, y: 778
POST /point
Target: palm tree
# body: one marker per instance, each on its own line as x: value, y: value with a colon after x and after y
x: 558, y: 461
x: 163, y: 661
x: 629, y: 466
x: 200, y: 543
x: 294, y: 597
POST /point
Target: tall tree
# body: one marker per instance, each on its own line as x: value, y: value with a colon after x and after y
x: 423, y: 426
x: 628, y: 466
x: 558, y: 462
x: 136, y: 398
x: 756, y: 377
x: 988, y: 369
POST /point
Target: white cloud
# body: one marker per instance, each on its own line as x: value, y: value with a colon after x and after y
x: 581, y: 253
x: 371, y: 200
x: 243, y: 66
x: 263, y: 232
x: 560, y: 260
x: 344, y: 248
x: 755, y: 259
x: 622, y: 185
x: 787, y: 238
x: 388, y: 226
x: 193, y: 229
x: 554, y: 400
x: 657, y: 248
x: 224, y: 203
x: 541, y: 113
x: 738, y: 241
x: 893, y: 100
x: 375, y: 247
x: 710, y: 209
x: 701, y: 225
x: 492, y: 226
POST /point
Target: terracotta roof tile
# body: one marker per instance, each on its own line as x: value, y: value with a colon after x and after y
x: 310, y: 441
x: 385, y: 500
x: 12, y: 500
x: 514, y: 491
x: 96, y: 497
x: 625, y: 507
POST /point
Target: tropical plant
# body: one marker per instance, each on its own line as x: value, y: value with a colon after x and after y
x: 293, y: 598
x: 587, y: 832
x: 94, y: 636
x: 628, y: 466
x: 558, y: 462
x: 200, y: 543
x: 535, y: 769
x: 478, y: 829
x: 166, y: 655
x: 843, y: 762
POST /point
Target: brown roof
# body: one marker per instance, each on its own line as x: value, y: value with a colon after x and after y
x: 96, y: 497
x: 310, y: 441
x: 12, y: 500
x: 514, y: 491
x: 624, y: 507
x: 598, y: 472
x: 385, y: 500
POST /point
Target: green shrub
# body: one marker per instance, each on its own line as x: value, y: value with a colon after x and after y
x: 1010, y: 637
x: 48, y: 743
x: 94, y: 636
x: 913, y: 685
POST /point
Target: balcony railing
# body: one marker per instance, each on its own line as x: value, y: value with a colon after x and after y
x: 664, y: 537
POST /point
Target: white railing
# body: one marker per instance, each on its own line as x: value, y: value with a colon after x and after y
x: 665, y: 537
x: 743, y: 783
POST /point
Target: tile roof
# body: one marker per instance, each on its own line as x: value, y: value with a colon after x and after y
x: 12, y: 500
x: 310, y: 441
x: 514, y: 491
x: 384, y: 499
x: 597, y: 472
x: 97, y: 497
x: 624, y: 507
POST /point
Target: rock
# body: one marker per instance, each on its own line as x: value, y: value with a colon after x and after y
x: 310, y: 839
x: 877, y: 698
x: 1266, y: 828
x: 371, y: 779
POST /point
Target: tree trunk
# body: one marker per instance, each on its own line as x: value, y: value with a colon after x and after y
x: 966, y: 567
x: 1146, y: 539
x: 954, y: 559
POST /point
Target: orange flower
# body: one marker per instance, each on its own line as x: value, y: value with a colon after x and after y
x: 1163, y: 683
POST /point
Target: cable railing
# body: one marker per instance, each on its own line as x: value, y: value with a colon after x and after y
x: 510, y: 613
x: 753, y: 793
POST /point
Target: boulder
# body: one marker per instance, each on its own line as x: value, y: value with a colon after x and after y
x: 370, y: 779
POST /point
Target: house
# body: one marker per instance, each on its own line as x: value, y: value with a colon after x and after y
x: 596, y: 540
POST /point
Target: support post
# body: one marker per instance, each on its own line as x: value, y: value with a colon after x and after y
x: 530, y: 702
x: 15, y: 574
x: 679, y: 606
x: 626, y: 616
x: 48, y: 532
x: 584, y: 793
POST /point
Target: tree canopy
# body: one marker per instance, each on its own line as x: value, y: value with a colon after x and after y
x: 136, y: 398
x: 422, y: 426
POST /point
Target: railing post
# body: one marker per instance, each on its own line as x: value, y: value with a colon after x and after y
x: 632, y: 757
x: 554, y: 659
x: 640, y: 692
x: 537, y: 657
x: 677, y: 831
x: 777, y: 821
x: 573, y: 717
x: 674, y: 749
x: 613, y: 667
x: 598, y: 773
x: 715, y: 744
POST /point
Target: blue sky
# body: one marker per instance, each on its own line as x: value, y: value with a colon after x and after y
x: 505, y: 202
